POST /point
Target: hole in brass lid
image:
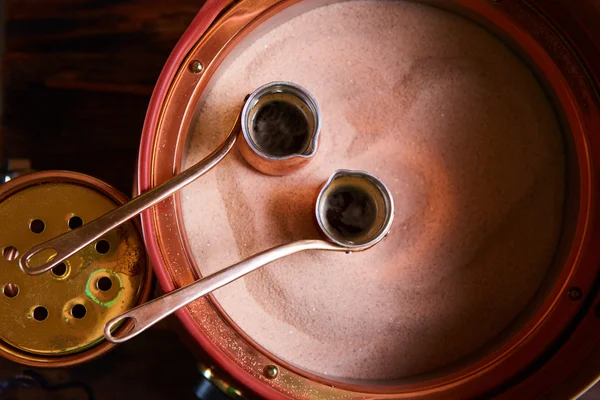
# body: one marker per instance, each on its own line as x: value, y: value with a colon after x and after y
x: 78, y: 311
x: 10, y: 290
x: 10, y: 253
x: 75, y: 222
x: 59, y: 270
x: 40, y: 313
x: 37, y: 226
x: 104, y: 284
x: 102, y: 246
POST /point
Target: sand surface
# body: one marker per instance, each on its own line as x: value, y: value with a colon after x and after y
x: 462, y: 134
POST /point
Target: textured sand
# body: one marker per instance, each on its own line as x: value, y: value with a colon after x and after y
x: 465, y: 139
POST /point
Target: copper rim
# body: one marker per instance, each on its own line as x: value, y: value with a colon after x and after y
x: 540, y: 355
x: 104, y: 346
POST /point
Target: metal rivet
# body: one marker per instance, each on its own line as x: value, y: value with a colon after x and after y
x: 575, y: 293
x: 271, y: 371
x: 196, y: 67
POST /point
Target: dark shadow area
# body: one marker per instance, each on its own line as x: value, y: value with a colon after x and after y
x: 155, y: 365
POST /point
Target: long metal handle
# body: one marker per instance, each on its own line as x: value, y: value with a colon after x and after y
x: 69, y: 243
x: 150, y: 313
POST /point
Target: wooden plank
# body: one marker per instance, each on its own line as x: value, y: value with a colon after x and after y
x: 121, y: 73
x: 147, y: 25
x: 66, y: 9
x: 93, y: 133
x: 68, y: 120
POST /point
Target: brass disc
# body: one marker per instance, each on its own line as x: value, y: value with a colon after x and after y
x: 64, y: 311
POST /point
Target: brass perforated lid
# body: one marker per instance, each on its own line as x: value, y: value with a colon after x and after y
x: 64, y: 311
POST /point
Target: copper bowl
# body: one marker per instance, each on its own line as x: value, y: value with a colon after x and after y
x: 554, y: 351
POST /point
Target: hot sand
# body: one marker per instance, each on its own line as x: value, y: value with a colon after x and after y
x: 459, y: 130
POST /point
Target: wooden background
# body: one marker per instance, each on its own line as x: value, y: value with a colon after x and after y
x: 78, y: 75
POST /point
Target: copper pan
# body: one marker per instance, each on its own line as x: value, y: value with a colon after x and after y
x: 555, y: 351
